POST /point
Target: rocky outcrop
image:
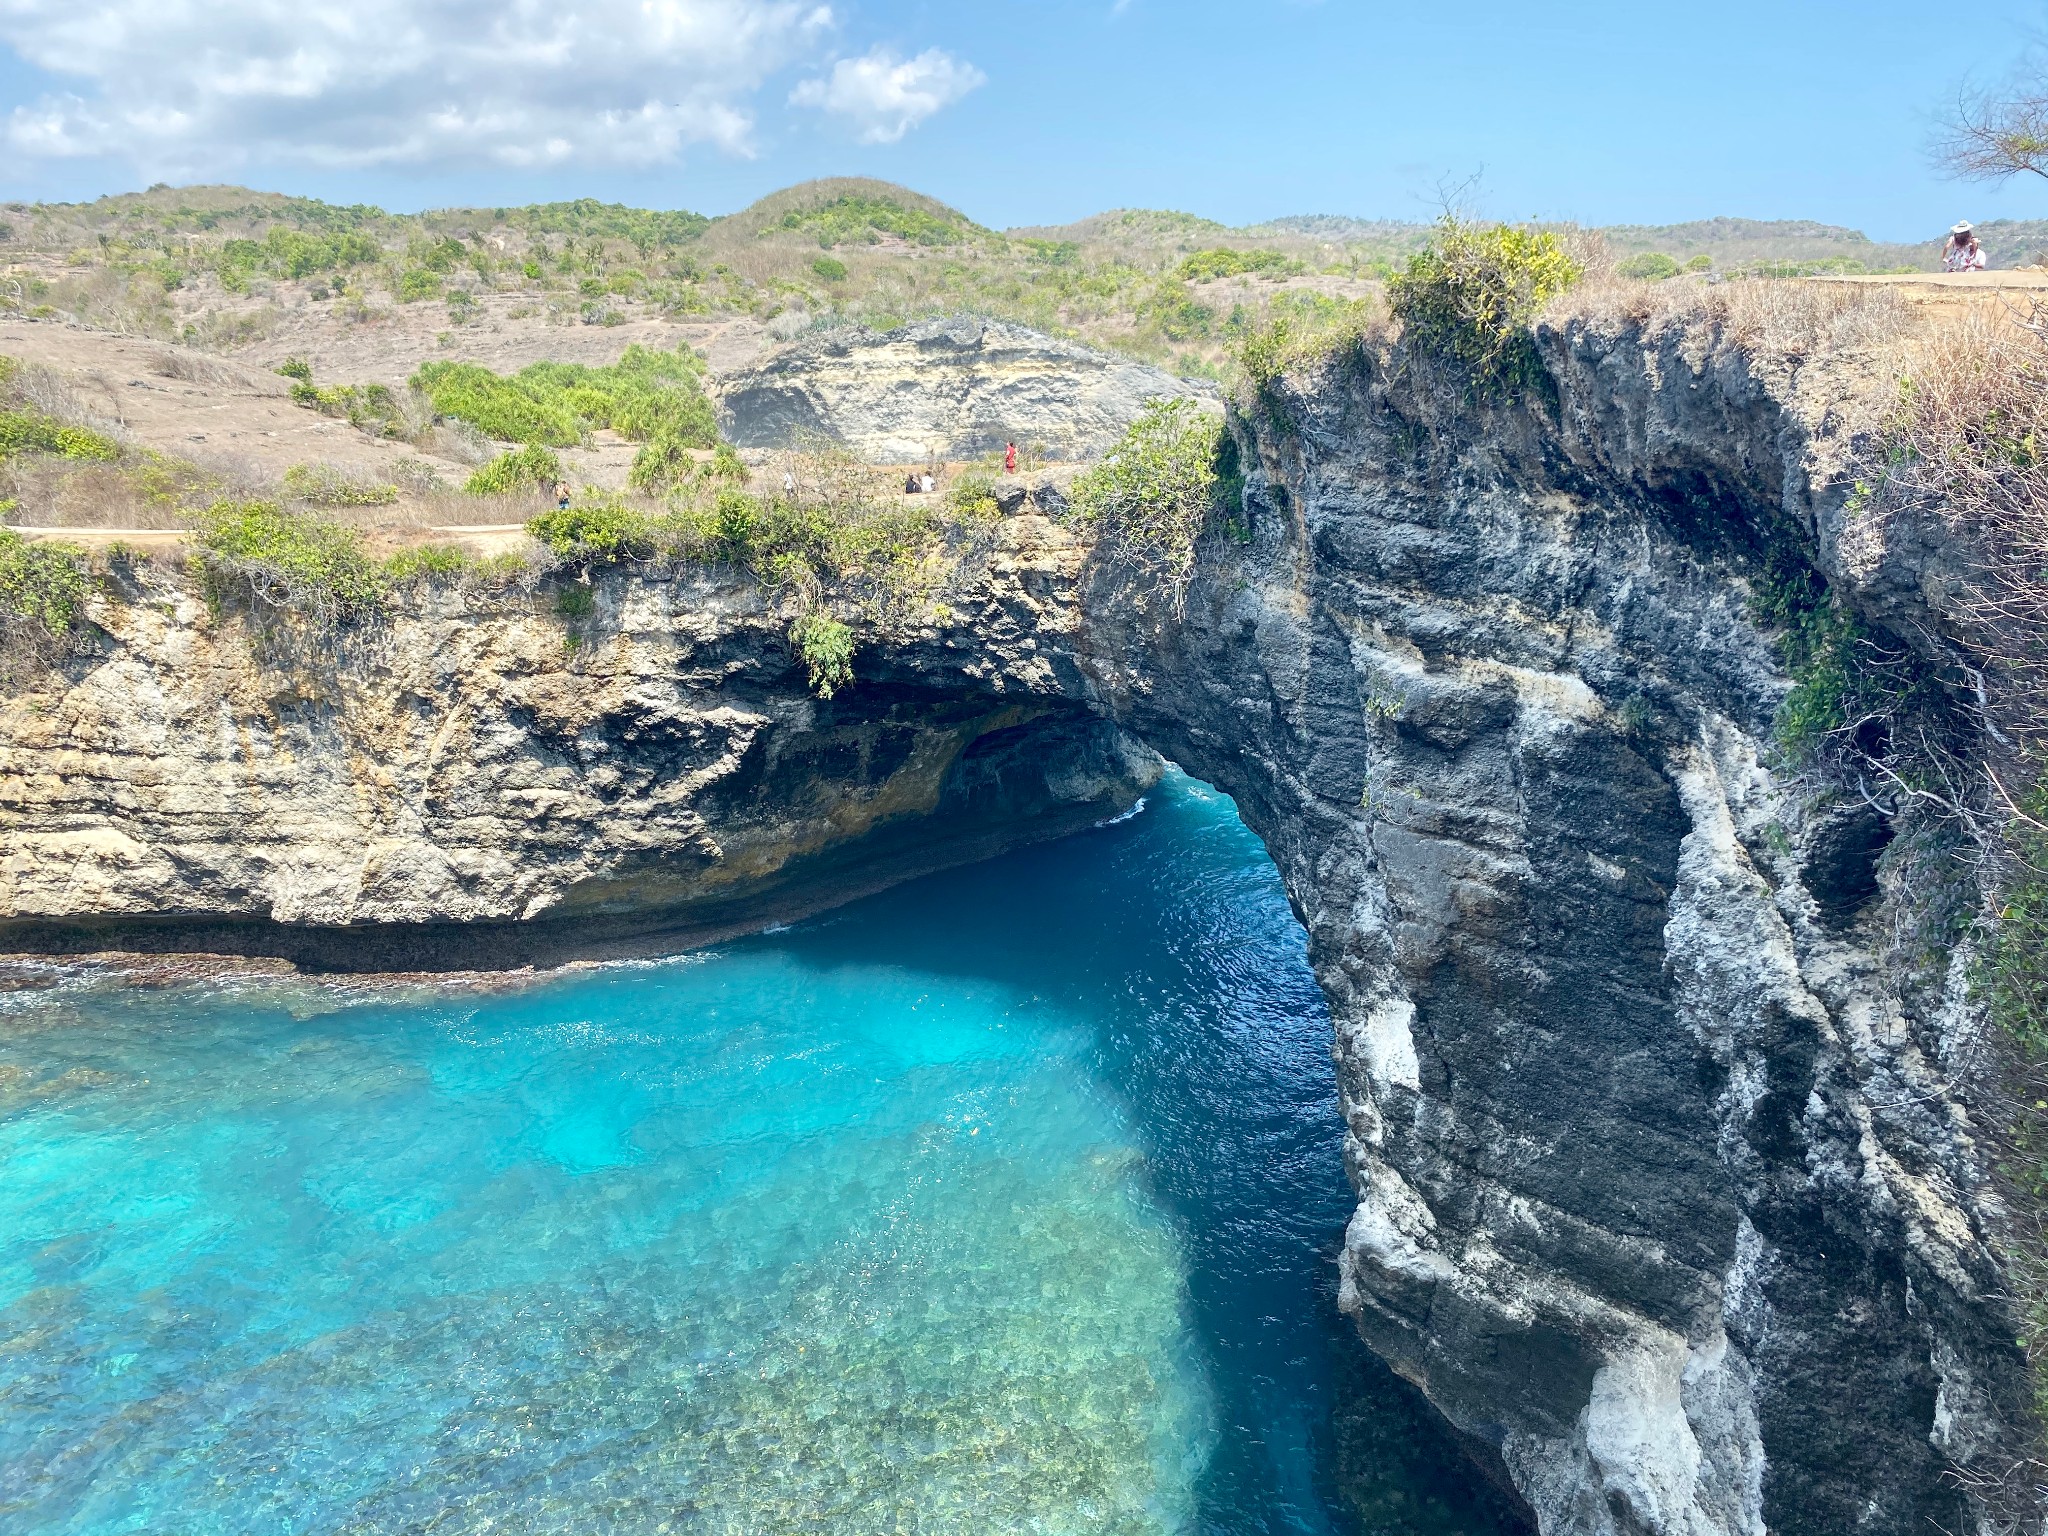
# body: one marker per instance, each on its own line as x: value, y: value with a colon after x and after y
x: 947, y: 389
x: 477, y: 783
x: 1672, y: 1191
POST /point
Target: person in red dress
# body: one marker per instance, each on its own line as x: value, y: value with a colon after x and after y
x: 1010, y: 460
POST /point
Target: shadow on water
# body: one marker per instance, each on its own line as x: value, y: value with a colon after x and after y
x: 1172, y: 930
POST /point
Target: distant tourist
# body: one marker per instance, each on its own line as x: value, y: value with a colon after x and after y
x: 1010, y: 460
x: 910, y: 485
x: 1964, y: 252
x: 788, y: 483
x: 562, y: 499
x: 930, y: 484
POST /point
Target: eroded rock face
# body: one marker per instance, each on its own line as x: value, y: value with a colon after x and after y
x: 1671, y: 1191
x: 951, y: 389
x: 463, y: 786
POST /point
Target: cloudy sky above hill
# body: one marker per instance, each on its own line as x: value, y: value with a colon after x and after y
x: 1020, y: 111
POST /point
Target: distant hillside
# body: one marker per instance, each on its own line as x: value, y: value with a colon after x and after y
x: 2015, y: 242
x: 219, y: 266
x: 1751, y: 242
x: 1340, y: 229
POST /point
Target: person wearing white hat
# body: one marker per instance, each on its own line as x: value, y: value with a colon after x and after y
x: 1964, y: 252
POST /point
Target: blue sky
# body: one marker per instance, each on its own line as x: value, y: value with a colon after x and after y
x: 1022, y: 111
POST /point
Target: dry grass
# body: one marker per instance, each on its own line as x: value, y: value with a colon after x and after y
x: 1762, y: 317
x: 190, y: 367
x: 1965, y: 447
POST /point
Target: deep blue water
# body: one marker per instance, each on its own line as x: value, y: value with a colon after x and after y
x: 1007, y: 1201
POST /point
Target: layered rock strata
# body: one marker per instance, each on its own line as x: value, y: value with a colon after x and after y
x: 1672, y: 1193
x: 477, y: 783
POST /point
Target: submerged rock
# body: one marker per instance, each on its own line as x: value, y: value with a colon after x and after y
x: 949, y: 389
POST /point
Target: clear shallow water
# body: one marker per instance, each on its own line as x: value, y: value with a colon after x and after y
x: 1006, y: 1201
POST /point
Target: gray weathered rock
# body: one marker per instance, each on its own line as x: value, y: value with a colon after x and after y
x: 951, y: 389
x: 1670, y: 1190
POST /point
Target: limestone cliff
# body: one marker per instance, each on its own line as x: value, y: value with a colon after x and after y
x: 478, y: 782
x: 951, y: 388
x: 1672, y: 1192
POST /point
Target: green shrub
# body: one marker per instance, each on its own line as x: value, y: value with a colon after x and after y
x: 426, y: 562
x: 973, y: 496
x: 1472, y: 295
x: 292, y: 253
x: 1175, y: 313
x: 646, y: 395
x: 1151, y: 495
x: 1700, y: 263
x: 735, y: 519
x: 855, y: 219
x: 523, y: 469
x: 602, y: 531
x: 1204, y: 266
x: 287, y: 560
x: 323, y: 485
x: 372, y: 408
x: 497, y: 407
x: 416, y: 283
x: 826, y: 648
x: 1264, y: 352
x: 85, y: 446
x: 664, y: 464
x: 830, y: 268
x: 726, y: 466
x: 1847, y: 679
x: 1650, y: 266
x: 575, y: 601
x: 31, y: 431
x: 43, y: 588
x: 1298, y: 327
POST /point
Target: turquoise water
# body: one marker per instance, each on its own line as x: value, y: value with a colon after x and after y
x: 1004, y: 1202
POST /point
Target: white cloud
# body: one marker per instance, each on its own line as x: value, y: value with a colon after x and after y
x: 884, y: 97
x: 185, y: 86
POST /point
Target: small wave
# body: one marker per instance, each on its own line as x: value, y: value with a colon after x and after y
x: 1126, y: 816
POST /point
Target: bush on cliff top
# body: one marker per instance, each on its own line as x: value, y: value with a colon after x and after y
x: 42, y: 602
x: 601, y: 531
x: 288, y: 561
x: 1471, y: 296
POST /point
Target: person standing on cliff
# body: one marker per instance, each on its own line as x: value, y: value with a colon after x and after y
x: 1964, y: 252
x: 1010, y: 460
